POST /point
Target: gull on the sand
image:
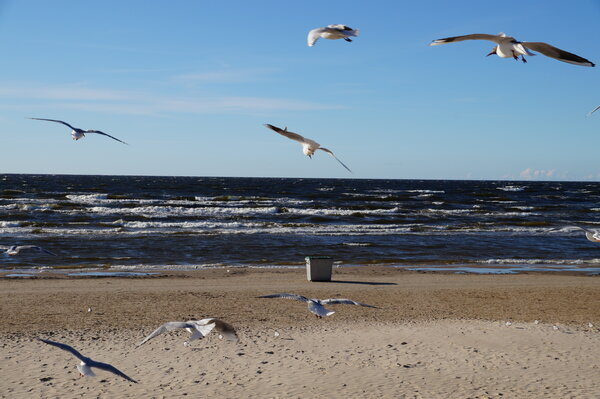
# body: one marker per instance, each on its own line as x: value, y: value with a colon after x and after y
x: 85, y: 367
x: 308, y: 146
x: 198, y: 328
x: 77, y: 133
x: 331, y: 32
x: 15, y: 249
x: 315, y: 306
x: 509, y: 47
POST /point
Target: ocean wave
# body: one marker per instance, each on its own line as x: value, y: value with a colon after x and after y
x: 86, y: 197
x: 540, y: 261
x: 512, y: 188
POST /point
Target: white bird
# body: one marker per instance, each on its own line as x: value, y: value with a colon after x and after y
x: 15, y: 249
x: 508, y: 324
x: 308, y: 146
x: 331, y: 32
x: 591, y: 235
x: 198, y: 328
x: 594, y: 110
x: 536, y: 322
x: 509, y: 47
x: 85, y: 367
x: 590, y: 325
x: 315, y: 306
x: 77, y: 133
x: 555, y: 328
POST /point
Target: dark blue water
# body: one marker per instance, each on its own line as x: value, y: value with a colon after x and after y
x: 133, y: 221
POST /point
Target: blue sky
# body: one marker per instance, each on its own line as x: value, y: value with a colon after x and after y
x: 189, y: 85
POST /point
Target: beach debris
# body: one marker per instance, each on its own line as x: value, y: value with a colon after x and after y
x: 315, y: 306
x: 331, y: 32
x: 509, y: 47
x: 15, y: 249
x: 536, y: 322
x: 508, y: 324
x: 85, y: 367
x: 590, y: 325
x: 89, y: 310
x: 198, y: 328
x: 555, y: 328
x: 308, y: 146
x: 77, y: 133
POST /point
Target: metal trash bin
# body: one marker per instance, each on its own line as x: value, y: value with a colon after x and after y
x: 318, y: 268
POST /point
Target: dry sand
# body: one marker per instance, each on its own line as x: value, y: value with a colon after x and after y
x: 436, y: 336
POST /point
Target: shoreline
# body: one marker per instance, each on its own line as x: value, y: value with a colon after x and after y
x: 139, y: 270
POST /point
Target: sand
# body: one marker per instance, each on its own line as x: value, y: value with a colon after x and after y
x: 436, y: 336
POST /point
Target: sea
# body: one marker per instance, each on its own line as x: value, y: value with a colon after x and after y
x: 129, y: 223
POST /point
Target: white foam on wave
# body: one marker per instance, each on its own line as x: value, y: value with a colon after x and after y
x: 86, y: 197
x: 516, y: 261
x: 511, y: 188
x: 10, y: 223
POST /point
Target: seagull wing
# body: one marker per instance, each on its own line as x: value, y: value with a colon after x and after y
x: 54, y: 120
x: 289, y: 135
x: 286, y: 296
x: 344, y: 301
x: 475, y: 36
x: 223, y: 328
x: 104, y: 134
x: 67, y: 348
x: 336, y: 158
x: 556, y: 53
x: 35, y: 247
x: 110, y: 368
x: 313, y: 36
x: 594, y: 110
x: 166, y: 328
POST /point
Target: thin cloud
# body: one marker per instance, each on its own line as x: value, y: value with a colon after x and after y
x: 136, y: 103
x: 537, y: 174
x: 225, y: 76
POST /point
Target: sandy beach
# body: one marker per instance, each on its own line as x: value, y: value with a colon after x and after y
x: 436, y: 335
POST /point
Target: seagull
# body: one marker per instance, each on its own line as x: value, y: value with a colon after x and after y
x: 315, y: 306
x: 594, y: 110
x: 591, y: 235
x: 15, y: 249
x: 331, y: 32
x: 308, y: 146
x: 507, y: 47
x: 77, y: 133
x: 198, y: 328
x: 85, y: 367
x: 508, y: 324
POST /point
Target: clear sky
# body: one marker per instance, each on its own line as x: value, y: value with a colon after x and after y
x: 189, y: 84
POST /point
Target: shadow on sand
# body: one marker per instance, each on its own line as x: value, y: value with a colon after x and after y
x: 359, y: 282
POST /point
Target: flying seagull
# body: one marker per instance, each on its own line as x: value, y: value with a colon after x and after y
x: 15, y: 249
x: 594, y: 110
x: 77, y: 133
x: 198, y: 328
x: 507, y: 47
x: 592, y: 235
x: 308, y: 146
x: 331, y: 32
x: 85, y: 367
x: 315, y: 306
